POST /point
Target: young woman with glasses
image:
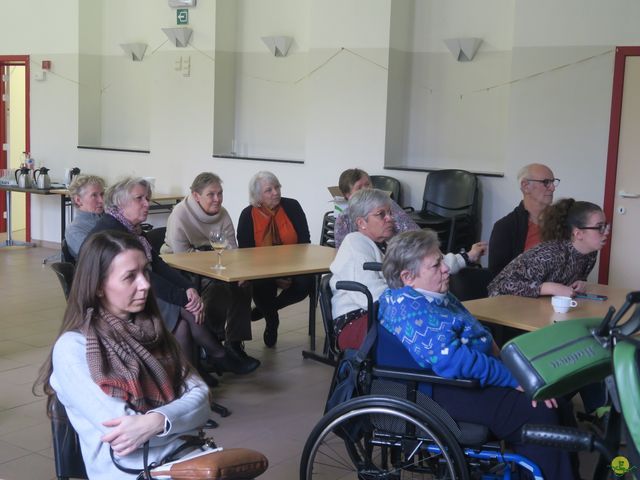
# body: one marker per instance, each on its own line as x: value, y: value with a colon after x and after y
x: 572, y: 234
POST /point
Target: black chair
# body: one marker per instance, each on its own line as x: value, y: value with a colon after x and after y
x: 388, y: 184
x: 327, y: 233
x: 65, y: 253
x: 64, y: 271
x: 66, y: 444
x: 450, y: 207
x: 155, y: 236
x: 470, y: 283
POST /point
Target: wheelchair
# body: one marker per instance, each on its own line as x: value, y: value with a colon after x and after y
x: 391, y: 429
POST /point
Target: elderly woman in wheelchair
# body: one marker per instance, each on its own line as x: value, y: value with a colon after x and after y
x: 419, y: 316
x: 442, y: 431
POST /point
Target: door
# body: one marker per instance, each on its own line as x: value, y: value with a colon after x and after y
x: 622, y: 191
x: 14, y: 134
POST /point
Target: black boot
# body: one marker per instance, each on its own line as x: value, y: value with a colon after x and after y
x: 234, y: 363
x: 238, y: 349
x: 270, y: 336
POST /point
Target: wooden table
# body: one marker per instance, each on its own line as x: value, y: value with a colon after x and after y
x: 530, y: 314
x: 261, y: 262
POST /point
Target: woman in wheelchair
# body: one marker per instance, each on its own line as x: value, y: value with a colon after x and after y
x: 115, y: 367
x: 419, y: 317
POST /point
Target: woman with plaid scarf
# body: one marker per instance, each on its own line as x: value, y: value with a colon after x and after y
x: 119, y: 373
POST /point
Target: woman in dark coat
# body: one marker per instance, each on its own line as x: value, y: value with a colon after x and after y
x: 273, y: 220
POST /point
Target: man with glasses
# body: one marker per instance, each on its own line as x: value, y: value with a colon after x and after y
x: 519, y: 230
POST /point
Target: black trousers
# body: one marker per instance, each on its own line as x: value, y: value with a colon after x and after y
x: 267, y: 300
x: 228, y: 310
x: 504, y: 411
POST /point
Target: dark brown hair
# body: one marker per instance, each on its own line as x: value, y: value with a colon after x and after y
x: 92, y: 269
x: 559, y: 220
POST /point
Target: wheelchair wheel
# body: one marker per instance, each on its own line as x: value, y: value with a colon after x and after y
x: 377, y: 437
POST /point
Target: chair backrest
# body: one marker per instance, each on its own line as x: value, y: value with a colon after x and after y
x: 450, y: 193
x: 156, y: 237
x: 65, y: 253
x: 66, y: 444
x: 64, y: 271
x: 328, y: 226
x: 389, y: 184
x: 470, y: 283
x: 327, y: 315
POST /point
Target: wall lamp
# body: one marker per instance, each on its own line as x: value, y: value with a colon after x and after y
x: 134, y: 50
x: 463, y: 49
x: 179, y: 36
x: 278, y: 45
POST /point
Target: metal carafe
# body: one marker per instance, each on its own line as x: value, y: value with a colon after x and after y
x: 23, y: 177
x: 41, y: 178
x: 70, y: 174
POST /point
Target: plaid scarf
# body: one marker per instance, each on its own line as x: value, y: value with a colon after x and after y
x: 116, y: 213
x: 128, y: 363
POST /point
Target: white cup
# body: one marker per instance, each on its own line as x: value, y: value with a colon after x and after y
x: 562, y: 304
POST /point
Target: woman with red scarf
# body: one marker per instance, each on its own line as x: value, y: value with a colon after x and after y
x: 273, y: 220
x: 119, y: 373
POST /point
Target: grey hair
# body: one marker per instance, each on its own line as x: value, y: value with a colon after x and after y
x: 405, y: 251
x: 119, y: 194
x: 81, y: 182
x: 255, y: 185
x: 203, y: 180
x: 364, y: 201
x: 524, y: 172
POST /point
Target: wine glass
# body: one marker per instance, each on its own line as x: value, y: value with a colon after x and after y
x: 218, y: 242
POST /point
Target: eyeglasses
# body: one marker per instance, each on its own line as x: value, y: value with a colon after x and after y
x: 382, y: 214
x: 601, y: 227
x: 547, y: 182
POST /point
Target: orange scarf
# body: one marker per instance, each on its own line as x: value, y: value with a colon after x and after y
x: 272, y: 227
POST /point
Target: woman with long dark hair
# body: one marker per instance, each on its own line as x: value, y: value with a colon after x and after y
x: 120, y: 374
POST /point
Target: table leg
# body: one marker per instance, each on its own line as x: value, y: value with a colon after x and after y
x: 10, y: 242
x: 63, y: 226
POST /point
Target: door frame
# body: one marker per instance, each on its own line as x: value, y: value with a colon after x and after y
x: 13, y: 60
x: 612, y: 156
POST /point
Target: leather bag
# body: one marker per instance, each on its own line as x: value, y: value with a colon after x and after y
x: 558, y: 359
x: 225, y: 464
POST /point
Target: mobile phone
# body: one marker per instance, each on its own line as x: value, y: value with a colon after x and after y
x: 592, y: 296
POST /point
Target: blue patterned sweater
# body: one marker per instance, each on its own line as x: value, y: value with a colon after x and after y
x: 440, y: 334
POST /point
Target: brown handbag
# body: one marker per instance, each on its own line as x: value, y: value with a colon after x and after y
x: 223, y: 464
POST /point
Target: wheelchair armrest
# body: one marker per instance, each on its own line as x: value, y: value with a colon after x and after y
x: 421, y: 376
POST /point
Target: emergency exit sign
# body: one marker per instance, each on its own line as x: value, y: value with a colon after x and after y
x: 182, y: 16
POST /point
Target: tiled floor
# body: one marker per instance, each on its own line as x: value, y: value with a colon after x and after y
x: 274, y: 408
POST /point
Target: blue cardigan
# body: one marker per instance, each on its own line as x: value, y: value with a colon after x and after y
x: 441, y: 335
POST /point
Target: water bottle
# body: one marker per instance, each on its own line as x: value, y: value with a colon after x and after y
x: 29, y: 162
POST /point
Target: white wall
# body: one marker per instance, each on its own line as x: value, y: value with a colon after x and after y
x: 560, y: 117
